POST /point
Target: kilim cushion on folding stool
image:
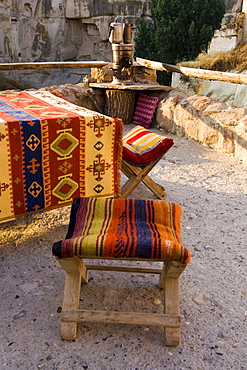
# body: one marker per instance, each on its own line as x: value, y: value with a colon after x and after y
x: 122, y: 229
x: 142, y: 150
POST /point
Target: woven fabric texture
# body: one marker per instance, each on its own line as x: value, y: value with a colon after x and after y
x: 124, y: 229
x: 52, y: 151
x: 142, y: 147
x: 145, y: 109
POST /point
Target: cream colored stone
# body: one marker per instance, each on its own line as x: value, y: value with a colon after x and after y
x: 77, y: 9
x: 205, y: 120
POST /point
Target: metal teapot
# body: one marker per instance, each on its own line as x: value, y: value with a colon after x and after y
x: 116, y: 33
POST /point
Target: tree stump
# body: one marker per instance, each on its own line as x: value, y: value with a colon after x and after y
x: 120, y: 104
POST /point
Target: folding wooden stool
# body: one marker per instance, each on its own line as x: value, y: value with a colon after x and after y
x: 122, y: 229
x: 142, y: 150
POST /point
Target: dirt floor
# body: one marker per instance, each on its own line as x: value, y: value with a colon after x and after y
x: 211, y: 188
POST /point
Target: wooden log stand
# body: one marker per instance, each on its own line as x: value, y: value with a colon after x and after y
x: 120, y: 98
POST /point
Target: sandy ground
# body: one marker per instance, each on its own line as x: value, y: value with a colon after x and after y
x: 211, y: 187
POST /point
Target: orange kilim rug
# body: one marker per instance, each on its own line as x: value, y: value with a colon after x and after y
x: 52, y: 151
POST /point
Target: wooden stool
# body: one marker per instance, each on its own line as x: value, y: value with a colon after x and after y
x: 122, y: 229
x: 142, y: 150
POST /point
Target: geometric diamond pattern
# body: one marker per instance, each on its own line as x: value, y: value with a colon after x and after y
x: 64, y: 144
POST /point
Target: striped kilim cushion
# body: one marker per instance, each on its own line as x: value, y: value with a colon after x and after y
x: 124, y: 229
x: 142, y: 147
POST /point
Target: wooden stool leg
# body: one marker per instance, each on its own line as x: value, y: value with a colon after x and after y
x: 171, y: 306
x: 169, y: 281
x: 75, y: 272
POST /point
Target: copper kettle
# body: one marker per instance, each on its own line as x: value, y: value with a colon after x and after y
x: 116, y: 33
x: 120, y: 33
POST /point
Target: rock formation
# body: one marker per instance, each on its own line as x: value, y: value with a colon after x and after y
x: 50, y: 30
x: 60, y: 30
x: 232, y: 33
x: 205, y: 120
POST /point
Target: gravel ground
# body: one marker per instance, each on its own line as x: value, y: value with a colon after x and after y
x: 211, y: 187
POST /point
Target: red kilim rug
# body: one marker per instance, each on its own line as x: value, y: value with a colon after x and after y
x: 52, y: 151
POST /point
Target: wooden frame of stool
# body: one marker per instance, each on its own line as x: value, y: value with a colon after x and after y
x: 136, y: 175
x: 77, y: 272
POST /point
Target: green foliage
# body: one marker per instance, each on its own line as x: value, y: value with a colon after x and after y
x: 143, y: 41
x: 177, y: 30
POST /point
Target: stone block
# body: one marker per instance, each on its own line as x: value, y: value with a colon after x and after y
x: 203, y: 119
x: 77, y: 9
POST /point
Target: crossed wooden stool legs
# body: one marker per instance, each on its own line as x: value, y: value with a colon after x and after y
x: 136, y: 175
x: 122, y: 229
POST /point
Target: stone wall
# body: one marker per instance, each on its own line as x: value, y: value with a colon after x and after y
x: 210, y: 122
x: 226, y: 92
x: 60, y: 30
x: 233, y: 27
x: 232, y: 33
x: 233, y: 6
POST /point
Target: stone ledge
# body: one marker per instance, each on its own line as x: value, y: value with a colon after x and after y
x: 210, y: 122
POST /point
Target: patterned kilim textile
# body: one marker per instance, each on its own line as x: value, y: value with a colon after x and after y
x: 123, y: 228
x: 52, y: 151
x: 145, y: 109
